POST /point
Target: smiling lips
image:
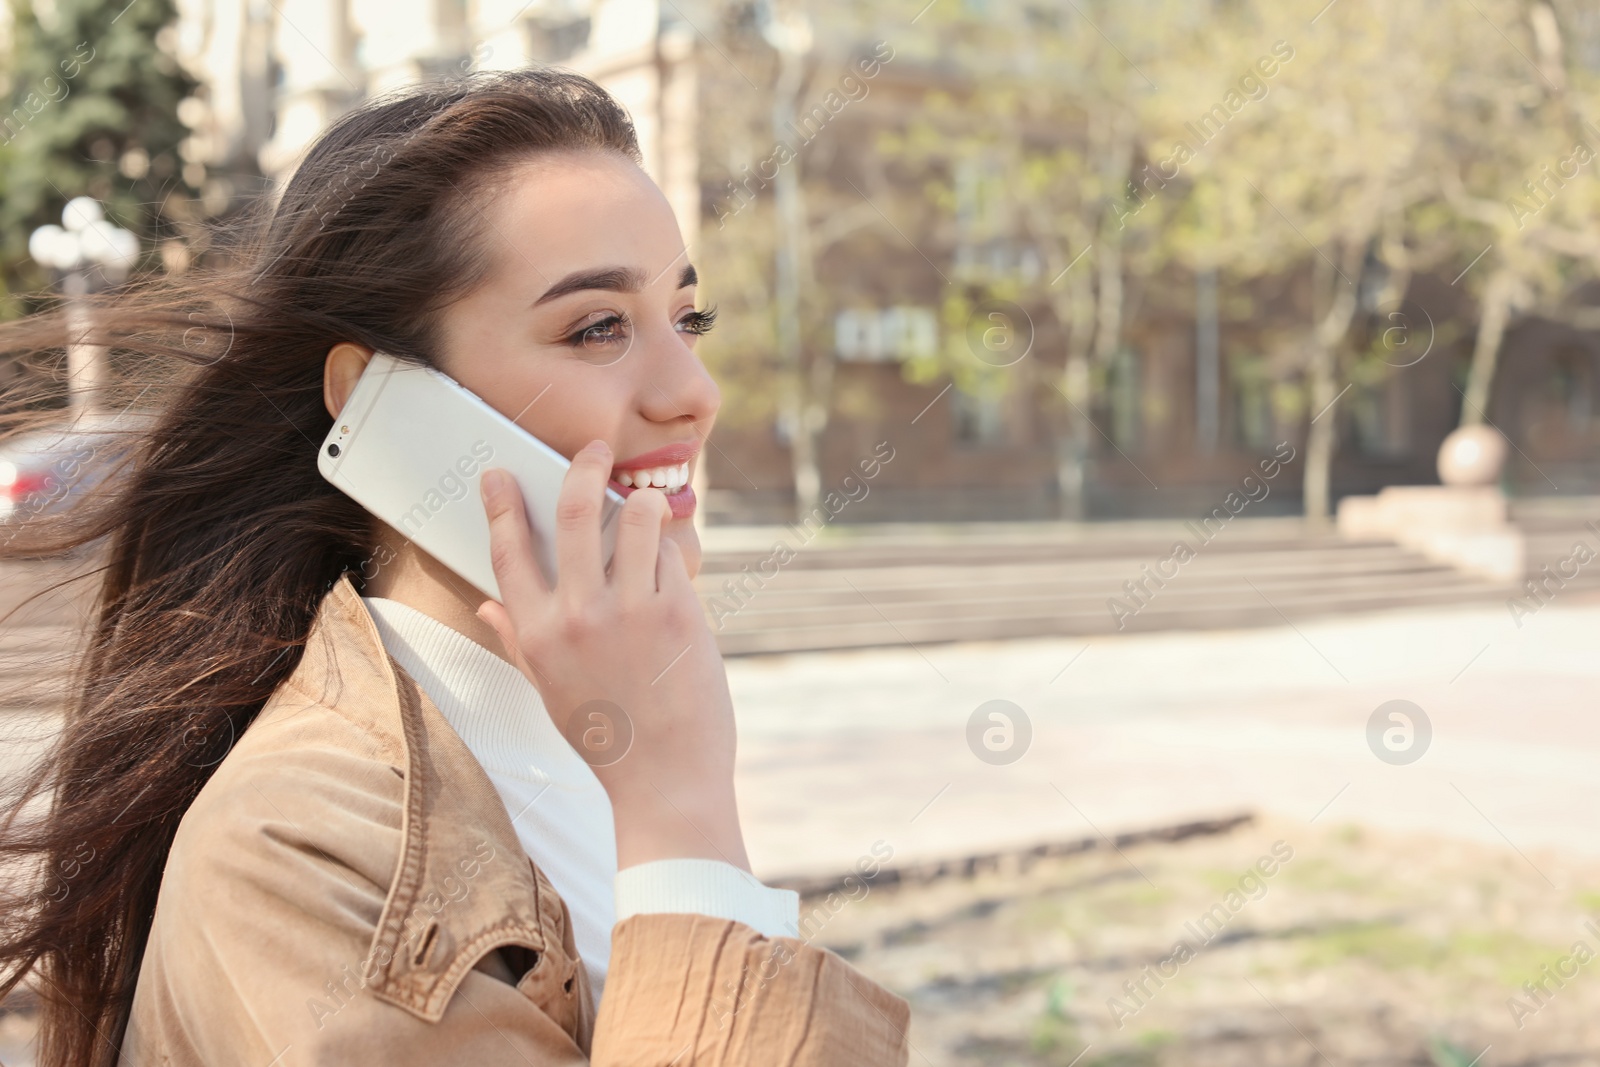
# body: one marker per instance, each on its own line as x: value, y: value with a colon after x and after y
x: 664, y: 468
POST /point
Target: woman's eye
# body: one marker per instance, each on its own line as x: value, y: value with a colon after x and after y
x: 607, y: 331
x: 698, y: 322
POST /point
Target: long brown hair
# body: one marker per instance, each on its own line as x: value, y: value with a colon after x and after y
x: 211, y: 534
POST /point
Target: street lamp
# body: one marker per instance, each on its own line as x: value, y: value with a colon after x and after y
x: 85, y: 254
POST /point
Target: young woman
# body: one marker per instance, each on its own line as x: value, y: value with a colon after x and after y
x: 313, y: 802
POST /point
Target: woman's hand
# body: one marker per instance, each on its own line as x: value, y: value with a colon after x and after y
x: 624, y: 661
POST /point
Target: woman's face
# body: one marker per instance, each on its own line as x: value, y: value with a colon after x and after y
x: 586, y: 325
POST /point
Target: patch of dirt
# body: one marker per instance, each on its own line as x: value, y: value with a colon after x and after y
x: 1358, y: 948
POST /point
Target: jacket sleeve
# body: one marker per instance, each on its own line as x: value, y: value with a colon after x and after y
x: 690, y: 990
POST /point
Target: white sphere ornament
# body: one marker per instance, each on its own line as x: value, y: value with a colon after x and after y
x: 127, y: 243
x: 51, y: 246
x: 80, y: 212
x: 99, y: 241
x: 108, y: 245
x: 1472, y: 455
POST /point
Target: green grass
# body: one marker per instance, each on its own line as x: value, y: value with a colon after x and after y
x: 1319, y: 874
x: 1391, y: 947
x: 1139, y: 1057
x: 1154, y: 1039
x: 1056, y: 1030
x: 1220, y: 881
x: 1514, y: 957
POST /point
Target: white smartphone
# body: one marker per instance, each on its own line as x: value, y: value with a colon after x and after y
x: 410, y: 445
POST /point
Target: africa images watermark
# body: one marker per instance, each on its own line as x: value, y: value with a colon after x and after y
x: 1251, y: 886
x: 737, y: 592
x: 856, y: 887
x: 1139, y: 592
x: 53, y: 486
x: 807, y: 126
x: 1252, y: 86
x: 1553, y: 577
x: 54, y: 90
x: 1541, y: 191
x: 1540, y: 993
x: 342, y: 990
x: 353, y: 179
x: 454, y: 485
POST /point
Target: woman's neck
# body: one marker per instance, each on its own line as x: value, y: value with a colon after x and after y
x: 417, y: 580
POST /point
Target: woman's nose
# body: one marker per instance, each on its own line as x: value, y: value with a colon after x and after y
x: 679, y: 385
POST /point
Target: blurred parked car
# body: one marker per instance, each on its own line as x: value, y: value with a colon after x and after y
x: 43, y: 471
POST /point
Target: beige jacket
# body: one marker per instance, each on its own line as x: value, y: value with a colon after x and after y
x: 348, y: 888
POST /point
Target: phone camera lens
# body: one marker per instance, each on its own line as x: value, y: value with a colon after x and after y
x: 333, y: 450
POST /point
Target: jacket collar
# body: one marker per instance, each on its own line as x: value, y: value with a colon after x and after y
x: 463, y: 884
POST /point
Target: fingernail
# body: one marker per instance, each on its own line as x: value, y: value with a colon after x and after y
x: 597, y: 446
x: 492, y: 482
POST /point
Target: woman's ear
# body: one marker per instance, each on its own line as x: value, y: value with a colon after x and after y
x: 346, y: 361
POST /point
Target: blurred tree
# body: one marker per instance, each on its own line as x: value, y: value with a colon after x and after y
x: 94, y: 92
x: 791, y: 71
x: 1520, y: 175
x: 1028, y: 152
x: 1321, y: 135
x: 1071, y: 158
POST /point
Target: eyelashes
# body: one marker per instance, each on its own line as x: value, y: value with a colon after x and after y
x: 699, y: 322
x: 615, y: 328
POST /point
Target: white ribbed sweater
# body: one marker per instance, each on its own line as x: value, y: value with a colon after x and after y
x: 559, y: 809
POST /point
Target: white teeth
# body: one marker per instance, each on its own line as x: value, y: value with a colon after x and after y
x: 671, y: 479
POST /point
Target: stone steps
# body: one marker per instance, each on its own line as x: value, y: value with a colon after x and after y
x: 989, y: 589
x: 893, y: 585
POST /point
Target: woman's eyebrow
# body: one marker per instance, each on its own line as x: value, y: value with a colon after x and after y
x: 614, y: 279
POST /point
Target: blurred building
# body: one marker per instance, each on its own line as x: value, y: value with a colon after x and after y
x: 1190, y: 405
x: 277, y: 73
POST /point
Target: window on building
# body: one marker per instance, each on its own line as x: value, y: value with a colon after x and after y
x: 986, y: 244
x: 1573, y: 387
x: 556, y: 37
x: 980, y: 421
x: 1380, y: 419
x: 878, y: 335
x: 1122, y: 393
x: 1252, y: 401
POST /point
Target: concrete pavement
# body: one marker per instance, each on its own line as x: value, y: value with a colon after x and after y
x: 840, y: 750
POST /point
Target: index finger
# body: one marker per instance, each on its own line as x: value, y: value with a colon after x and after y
x: 511, y: 542
x: 579, y: 568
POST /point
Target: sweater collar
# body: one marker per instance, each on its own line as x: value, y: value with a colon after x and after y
x: 488, y: 702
